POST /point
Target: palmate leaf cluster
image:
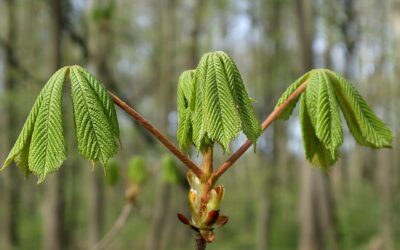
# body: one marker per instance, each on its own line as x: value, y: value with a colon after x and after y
x: 213, y: 104
x: 325, y: 95
x: 40, y: 148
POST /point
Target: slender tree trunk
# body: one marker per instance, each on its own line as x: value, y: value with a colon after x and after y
x: 53, y: 214
x: 12, y: 193
x: 271, y: 69
x: 100, y: 49
x: 309, y: 240
x: 166, y: 93
x: 317, y: 215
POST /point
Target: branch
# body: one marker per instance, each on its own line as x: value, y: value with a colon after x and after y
x: 154, y: 131
x: 271, y: 118
x: 201, y: 243
x: 118, y: 225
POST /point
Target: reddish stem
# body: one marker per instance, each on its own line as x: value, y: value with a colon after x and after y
x: 154, y: 131
x: 272, y: 117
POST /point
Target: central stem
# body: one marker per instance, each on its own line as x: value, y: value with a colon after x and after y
x: 207, y: 172
x: 208, y: 163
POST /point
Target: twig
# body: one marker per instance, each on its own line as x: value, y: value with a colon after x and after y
x: 154, y: 131
x: 118, y: 225
x: 201, y: 244
x: 272, y: 117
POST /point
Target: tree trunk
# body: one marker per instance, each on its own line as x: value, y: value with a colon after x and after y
x: 271, y: 62
x: 165, y: 94
x: 11, y: 192
x: 100, y: 49
x: 317, y: 214
x: 53, y: 236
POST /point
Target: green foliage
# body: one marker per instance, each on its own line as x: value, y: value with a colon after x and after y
x: 292, y: 88
x: 112, y: 172
x: 40, y: 148
x: 366, y: 127
x: 320, y: 118
x: 94, y: 115
x: 185, y: 93
x: 104, y: 12
x: 137, y: 170
x: 169, y: 169
x: 216, y: 102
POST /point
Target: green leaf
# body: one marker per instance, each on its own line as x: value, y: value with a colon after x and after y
x: 40, y: 147
x: 320, y: 121
x: 47, y: 150
x: 137, y: 171
x: 286, y: 113
x: 314, y: 149
x: 365, y: 126
x: 250, y: 124
x: 185, y: 93
x: 221, y: 107
x: 324, y: 111
x: 94, y: 115
x: 169, y: 170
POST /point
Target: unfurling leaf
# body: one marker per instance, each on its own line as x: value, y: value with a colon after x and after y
x: 40, y: 147
x: 214, y: 106
x: 365, y: 126
x: 94, y: 115
x: 287, y: 112
x: 184, y: 95
x: 321, y: 125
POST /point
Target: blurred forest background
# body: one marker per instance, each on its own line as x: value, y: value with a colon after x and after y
x: 274, y: 199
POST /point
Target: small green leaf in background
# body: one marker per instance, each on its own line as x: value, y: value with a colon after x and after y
x: 169, y: 170
x: 320, y: 121
x: 220, y: 107
x: 112, y: 172
x: 40, y: 147
x: 137, y: 170
x: 94, y: 115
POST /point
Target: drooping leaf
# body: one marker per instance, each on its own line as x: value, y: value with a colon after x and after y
x: 137, y: 170
x: 104, y: 98
x: 324, y: 111
x: 197, y: 104
x: 185, y: 93
x: 365, y: 126
x: 221, y: 107
x: 40, y: 147
x: 250, y: 124
x: 325, y: 92
x: 47, y: 150
x: 292, y: 88
x: 314, y: 149
x: 94, y: 115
